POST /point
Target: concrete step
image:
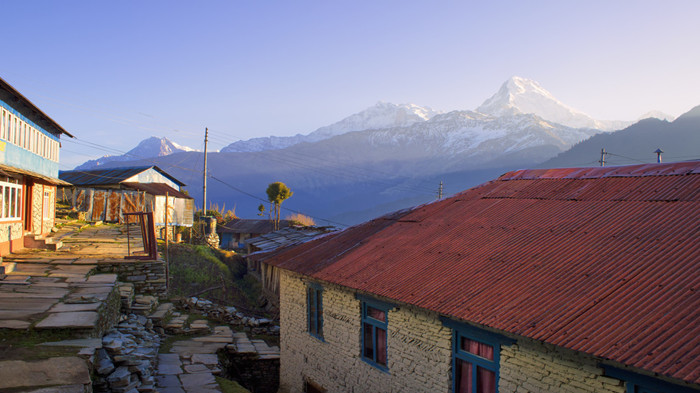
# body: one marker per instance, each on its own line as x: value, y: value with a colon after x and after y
x: 8, y: 267
x: 42, y: 242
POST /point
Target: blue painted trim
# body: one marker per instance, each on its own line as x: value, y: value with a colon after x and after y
x: 638, y: 383
x: 26, y: 120
x: 314, y: 293
x: 477, y: 333
x: 382, y: 305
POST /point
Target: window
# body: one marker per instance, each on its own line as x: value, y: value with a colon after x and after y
x: 475, y: 358
x: 314, y: 301
x: 10, y: 199
x: 374, y: 333
x: 47, y: 204
x: 475, y: 366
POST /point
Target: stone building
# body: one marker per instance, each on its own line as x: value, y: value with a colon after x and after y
x: 29, y: 153
x: 561, y: 280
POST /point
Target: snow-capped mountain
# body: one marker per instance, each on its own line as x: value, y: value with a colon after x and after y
x: 380, y: 116
x: 657, y: 115
x: 520, y: 95
x: 150, y: 147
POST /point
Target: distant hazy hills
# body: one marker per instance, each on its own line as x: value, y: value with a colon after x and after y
x: 679, y: 139
x: 388, y: 156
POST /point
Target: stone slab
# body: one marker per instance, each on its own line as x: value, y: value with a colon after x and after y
x: 166, y: 381
x: 194, y: 380
x: 78, y: 319
x: 83, y: 343
x: 205, y: 358
x: 169, y: 369
x: 13, y: 324
x: 63, y: 307
x: 56, y: 371
x: 196, y: 368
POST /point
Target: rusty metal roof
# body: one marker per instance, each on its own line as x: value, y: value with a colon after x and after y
x: 604, y: 261
x: 110, y: 176
x: 157, y: 189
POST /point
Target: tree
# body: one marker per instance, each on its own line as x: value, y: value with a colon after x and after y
x: 261, y: 210
x: 277, y: 193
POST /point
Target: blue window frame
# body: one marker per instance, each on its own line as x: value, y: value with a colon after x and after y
x: 314, y: 303
x: 637, y: 383
x: 475, y: 358
x: 375, y: 323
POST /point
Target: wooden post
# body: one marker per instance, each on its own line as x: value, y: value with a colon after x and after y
x: 167, y: 262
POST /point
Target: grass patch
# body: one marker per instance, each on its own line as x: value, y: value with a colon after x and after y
x: 228, y: 386
x: 219, y: 275
x: 23, y: 345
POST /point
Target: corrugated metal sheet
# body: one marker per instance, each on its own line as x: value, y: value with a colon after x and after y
x: 284, y: 237
x: 110, y: 176
x: 600, y: 260
x: 157, y: 189
x: 250, y: 226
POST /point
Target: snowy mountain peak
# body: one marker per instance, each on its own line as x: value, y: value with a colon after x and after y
x: 156, y: 147
x: 382, y: 115
x: 521, y: 95
x: 147, y: 148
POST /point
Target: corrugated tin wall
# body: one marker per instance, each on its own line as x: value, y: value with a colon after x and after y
x: 110, y: 205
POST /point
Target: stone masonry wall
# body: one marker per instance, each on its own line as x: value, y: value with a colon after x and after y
x: 534, y: 367
x: 419, y: 352
x: 148, y: 277
x: 37, y: 205
x: 48, y: 222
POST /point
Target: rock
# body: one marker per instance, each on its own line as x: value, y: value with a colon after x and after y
x: 119, y: 378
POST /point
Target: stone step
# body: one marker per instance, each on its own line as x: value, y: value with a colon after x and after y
x: 163, y: 312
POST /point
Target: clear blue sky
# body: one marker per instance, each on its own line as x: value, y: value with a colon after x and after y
x: 113, y: 73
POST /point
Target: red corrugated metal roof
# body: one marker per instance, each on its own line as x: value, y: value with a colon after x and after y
x: 600, y: 260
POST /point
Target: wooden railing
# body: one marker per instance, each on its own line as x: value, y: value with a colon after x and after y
x: 147, y: 227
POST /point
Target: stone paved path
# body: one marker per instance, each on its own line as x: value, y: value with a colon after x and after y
x: 192, y: 364
x: 45, y: 290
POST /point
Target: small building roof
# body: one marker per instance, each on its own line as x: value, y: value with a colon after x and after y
x: 285, y: 237
x: 33, y: 110
x: 157, y: 189
x: 604, y: 261
x: 103, y: 177
x: 244, y: 225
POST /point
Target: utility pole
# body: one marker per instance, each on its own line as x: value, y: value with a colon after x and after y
x: 602, y: 157
x: 440, y: 190
x: 204, y: 188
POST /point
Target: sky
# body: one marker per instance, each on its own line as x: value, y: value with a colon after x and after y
x: 114, y: 73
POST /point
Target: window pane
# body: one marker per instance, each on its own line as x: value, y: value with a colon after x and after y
x: 379, y: 315
x: 381, y: 346
x: 312, y: 311
x: 485, y: 381
x: 477, y: 348
x: 464, y: 377
x: 319, y: 314
x: 368, y: 350
x: 13, y: 205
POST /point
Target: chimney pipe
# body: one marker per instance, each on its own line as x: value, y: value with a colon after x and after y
x: 658, y: 155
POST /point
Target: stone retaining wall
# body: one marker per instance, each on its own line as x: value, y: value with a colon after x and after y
x: 148, y: 277
x: 419, y: 352
x: 258, y: 375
